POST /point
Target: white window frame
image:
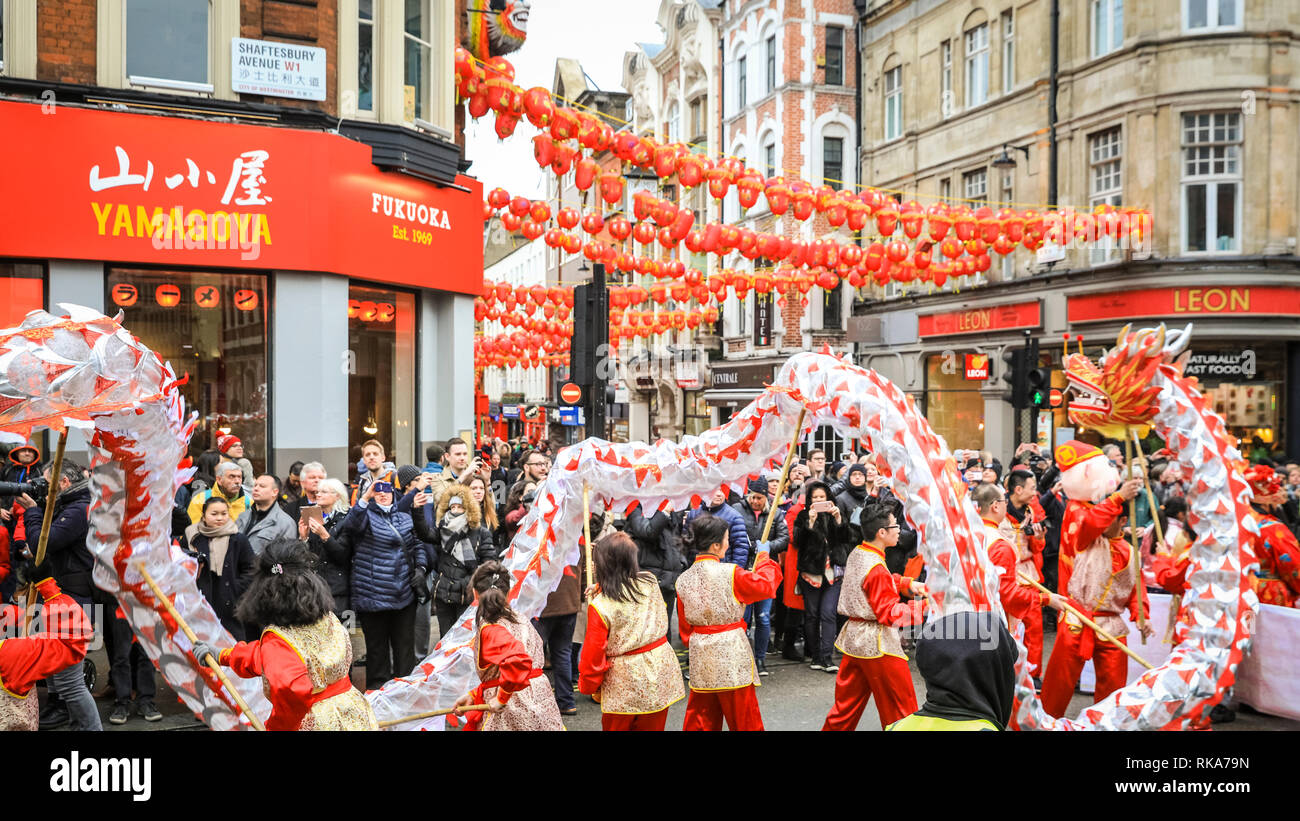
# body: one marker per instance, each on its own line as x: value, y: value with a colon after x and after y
x: 674, y: 122
x: 770, y: 63
x: 972, y: 192
x: 1106, y: 161
x: 770, y: 168
x: 429, y: 44
x: 1212, y: 180
x: 976, y: 42
x: 947, y: 102
x: 839, y: 180
x: 356, y: 24
x: 742, y: 82
x: 945, y: 190
x: 1008, y: 51
x: 111, y: 52
x: 1212, y: 12
x: 1105, y: 14
x: 893, y: 88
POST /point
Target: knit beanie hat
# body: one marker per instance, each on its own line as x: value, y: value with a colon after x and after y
x: 227, y: 441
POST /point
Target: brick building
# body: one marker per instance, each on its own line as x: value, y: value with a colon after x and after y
x: 269, y: 191
x: 1186, y: 107
x: 789, y: 107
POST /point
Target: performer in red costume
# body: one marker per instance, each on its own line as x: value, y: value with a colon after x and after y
x: 626, y: 657
x: 509, y: 655
x: 1020, y: 600
x: 711, y: 599
x: 1095, y: 574
x: 64, y: 637
x: 304, y: 656
x: 874, y: 662
x: 1278, y: 579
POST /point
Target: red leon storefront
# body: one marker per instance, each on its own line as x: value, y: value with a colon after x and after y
x: 956, y: 374
x: 221, y: 241
x: 1245, y: 349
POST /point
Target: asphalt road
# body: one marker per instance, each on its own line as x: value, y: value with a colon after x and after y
x: 793, y: 697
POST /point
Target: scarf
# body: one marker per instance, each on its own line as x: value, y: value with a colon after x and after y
x: 456, y: 528
x: 218, y: 541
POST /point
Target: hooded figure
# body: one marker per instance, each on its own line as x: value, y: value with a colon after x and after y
x: 968, y: 663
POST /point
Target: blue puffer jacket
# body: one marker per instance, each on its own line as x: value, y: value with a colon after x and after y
x: 737, y: 538
x: 385, y: 553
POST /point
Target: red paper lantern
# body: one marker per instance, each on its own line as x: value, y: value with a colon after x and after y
x: 593, y: 222
x: 911, y: 217
x: 519, y: 206
x: 896, y: 250
x: 611, y: 188
x: 584, y: 173
x: 538, y: 107
x: 539, y: 211
x: 498, y: 198
x: 568, y: 217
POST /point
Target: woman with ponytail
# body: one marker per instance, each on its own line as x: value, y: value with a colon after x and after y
x: 711, y: 599
x: 304, y: 655
x: 626, y: 657
x: 508, y: 654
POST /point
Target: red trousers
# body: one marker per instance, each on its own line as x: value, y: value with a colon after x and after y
x: 706, y: 710
x: 886, y: 676
x: 1034, y: 640
x: 1063, y: 668
x: 649, y: 722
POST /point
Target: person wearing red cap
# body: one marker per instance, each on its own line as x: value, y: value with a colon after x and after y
x: 1277, y: 581
x: 233, y: 451
x: 1095, y: 574
x: 63, y: 641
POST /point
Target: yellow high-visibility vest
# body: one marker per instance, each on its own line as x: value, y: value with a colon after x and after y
x: 920, y: 722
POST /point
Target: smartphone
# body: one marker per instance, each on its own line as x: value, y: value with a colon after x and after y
x: 309, y: 512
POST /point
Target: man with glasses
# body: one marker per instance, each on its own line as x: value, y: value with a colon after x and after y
x: 817, y: 465
x: 536, y: 467
x: 1018, y: 598
x: 874, y: 662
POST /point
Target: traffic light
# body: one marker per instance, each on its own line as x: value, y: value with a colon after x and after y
x: 1013, y: 373
x: 591, y: 346
x: 1039, y: 385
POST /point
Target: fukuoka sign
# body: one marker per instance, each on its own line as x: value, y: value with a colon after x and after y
x: 101, y: 185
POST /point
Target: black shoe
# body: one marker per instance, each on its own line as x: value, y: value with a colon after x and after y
x: 54, y: 716
x: 762, y: 669
x: 1221, y: 715
x: 121, y: 713
x: 148, y: 710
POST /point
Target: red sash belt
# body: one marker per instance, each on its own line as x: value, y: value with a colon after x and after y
x: 1088, y: 638
x: 496, y: 682
x: 709, y: 629
x: 338, y: 688
x: 645, y: 648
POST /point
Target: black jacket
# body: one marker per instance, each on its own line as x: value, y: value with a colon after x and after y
x: 333, y: 556
x: 223, y: 591
x: 67, y: 558
x: 778, y: 540
x: 659, y: 546
x: 826, y: 539
x: 449, y: 575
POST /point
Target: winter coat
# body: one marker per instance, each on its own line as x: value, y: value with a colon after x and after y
x: 826, y: 539
x: 778, y: 540
x: 385, y: 555
x: 659, y: 547
x: 737, y: 538
x: 566, y: 598
x: 67, y: 558
x: 449, y: 574
x: 334, y: 557
x: 276, y: 524
x: 223, y: 592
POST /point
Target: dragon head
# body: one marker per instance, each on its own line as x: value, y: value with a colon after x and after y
x: 1117, y: 394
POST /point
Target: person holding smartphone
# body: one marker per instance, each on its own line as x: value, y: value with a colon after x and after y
x: 821, y: 538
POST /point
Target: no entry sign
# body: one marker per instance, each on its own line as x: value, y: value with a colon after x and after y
x: 571, y: 393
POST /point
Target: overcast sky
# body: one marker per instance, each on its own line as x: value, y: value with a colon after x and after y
x: 595, y: 32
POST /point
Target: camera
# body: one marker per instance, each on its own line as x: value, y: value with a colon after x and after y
x: 38, y: 488
x: 529, y: 497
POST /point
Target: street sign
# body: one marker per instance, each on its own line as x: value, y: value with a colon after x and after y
x: 572, y: 416
x: 1056, y: 397
x: 571, y: 393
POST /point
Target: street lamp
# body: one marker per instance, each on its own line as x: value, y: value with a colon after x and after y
x: 1005, y: 160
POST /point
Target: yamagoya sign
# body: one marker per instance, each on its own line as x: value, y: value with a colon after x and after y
x: 135, y: 188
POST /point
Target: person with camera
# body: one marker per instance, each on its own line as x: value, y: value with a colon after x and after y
x: 821, y: 536
x: 458, y: 544
x: 69, y: 562
x: 328, y: 543
x: 389, y: 567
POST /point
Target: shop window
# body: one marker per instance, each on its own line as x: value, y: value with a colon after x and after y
x: 1212, y: 182
x: 22, y: 290
x: 697, y: 413
x: 381, y: 385
x: 167, y: 43
x: 953, y: 406
x: 211, y: 326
